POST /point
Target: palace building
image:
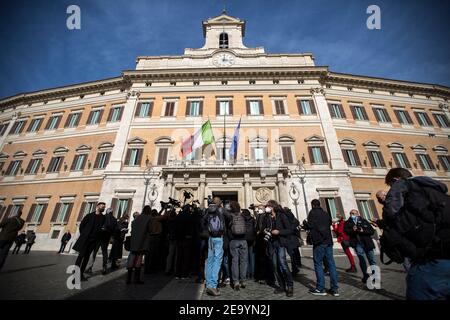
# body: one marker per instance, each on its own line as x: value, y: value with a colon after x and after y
x: 306, y: 132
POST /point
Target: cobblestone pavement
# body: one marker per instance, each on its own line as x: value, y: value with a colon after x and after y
x: 42, y: 275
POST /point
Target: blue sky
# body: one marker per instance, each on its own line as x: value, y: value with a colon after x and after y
x: 39, y: 52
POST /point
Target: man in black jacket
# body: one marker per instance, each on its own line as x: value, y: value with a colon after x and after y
x: 280, y: 241
x: 10, y: 227
x: 90, y: 234
x: 21, y: 239
x: 64, y: 240
x: 319, y: 223
x: 360, y: 233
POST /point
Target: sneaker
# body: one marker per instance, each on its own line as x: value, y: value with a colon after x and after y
x: 236, y: 287
x: 290, y: 292
x: 212, y: 292
x: 334, y: 293
x: 364, y: 279
x: 242, y: 285
x: 351, y: 270
x: 227, y: 281
x: 222, y: 285
x: 317, y: 292
x: 279, y: 290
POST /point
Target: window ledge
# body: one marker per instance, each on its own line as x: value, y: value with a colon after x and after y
x: 92, y: 126
x: 363, y: 122
x: 339, y: 120
x: 31, y: 134
x: 168, y: 118
x: 70, y: 129
x: 385, y: 124
x: 308, y: 116
x: 52, y: 131
x: 407, y: 126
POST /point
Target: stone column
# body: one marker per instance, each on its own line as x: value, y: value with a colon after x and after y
x: 334, y: 150
x: 282, y: 191
x: 201, y: 189
x: 120, y: 143
x: 8, y: 129
x: 247, y: 190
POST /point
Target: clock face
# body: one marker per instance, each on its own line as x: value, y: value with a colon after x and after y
x: 223, y: 59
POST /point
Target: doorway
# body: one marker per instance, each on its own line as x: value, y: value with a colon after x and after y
x: 226, y: 196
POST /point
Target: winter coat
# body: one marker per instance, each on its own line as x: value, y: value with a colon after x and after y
x: 364, y: 238
x: 184, y: 226
x: 88, y: 231
x: 286, y: 228
x: 31, y: 238
x: 66, y: 237
x: 319, y: 223
x: 140, y: 233
x: 10, y: 227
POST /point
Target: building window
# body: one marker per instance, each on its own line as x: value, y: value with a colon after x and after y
x: 224, y: 108
x: 86, y: 208
x: 403, y: 117
x: 35, y: 125
x: 445, y: 162
x: 286, y: 152
x: 102, y: 160
x: 170, y: 109
x: 78, y: 162
x: 53, y: 123
x: 115, y: 114
x: 134, y: 157
x: 13, y: 210
x: 223, y: 40
x: 376, y: 159
x: 144, y: 109
x: 55, y: 164
x: 381, y: 115
x: 62, y: 212
x: 17, y: 128
x: 279, y: 107
x: 33, y: 166
x: 351, y: 157
x: 194, y: 108
x: 3, y: 128
x: 13, y: 168
x: 359, y: 113
x: 37, y: 213
x: 2, y: 164
x: 254, y: 107
x: 423, y: 119
x: 336, y: 111
x: 306, y: 107
x: 441, y: 120
x: 317, y: 155
x: 367, y: 209
x: 425, y: 161
x: 95, y: 117
x: 73, y: 120
x: 122, y: 207
x: 259, y: 154
x: 401, y: 160
x: 55, y: 234
x: 162, y: 156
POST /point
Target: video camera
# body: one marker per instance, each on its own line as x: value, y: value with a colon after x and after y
x: 171, y: 203
x: 252, y: 207
x: 210, y: 200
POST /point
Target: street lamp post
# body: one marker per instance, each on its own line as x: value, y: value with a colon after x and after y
x: 301, y: 174
x: 152, y: 196
x: 294, y: 194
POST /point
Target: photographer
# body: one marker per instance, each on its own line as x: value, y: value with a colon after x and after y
x: 184, y: 229
x: 153, y: 252
x: 264, y: 272
x: 360, y: 233
x: 279, y: 236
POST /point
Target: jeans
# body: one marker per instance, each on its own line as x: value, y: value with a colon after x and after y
x: 225, y: 265
x: 319, y: 253
x: 429, y: 281
x: 239, y: 254
x: 281, y: 269
x: 251, y: 262
x: 4, y: 250
x: 215, y: 253
x: 361, y: 253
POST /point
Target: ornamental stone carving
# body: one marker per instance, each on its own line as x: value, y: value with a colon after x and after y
x: 263, y: 195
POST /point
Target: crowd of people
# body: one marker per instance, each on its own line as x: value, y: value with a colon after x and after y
x: 223, y: 244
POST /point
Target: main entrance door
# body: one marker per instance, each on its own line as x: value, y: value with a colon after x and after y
x: 226, y: 196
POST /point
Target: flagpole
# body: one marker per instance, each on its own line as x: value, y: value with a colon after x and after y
x: 224, y: 135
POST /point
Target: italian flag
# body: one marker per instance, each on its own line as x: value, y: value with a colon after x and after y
x: 202, y: 137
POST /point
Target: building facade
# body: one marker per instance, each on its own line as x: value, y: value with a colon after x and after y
x: 306, y: 132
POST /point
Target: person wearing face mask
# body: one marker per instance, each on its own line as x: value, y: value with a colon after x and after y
x: 360, y: 233
x: 90, y: 235
x: 343, y: 239
x: 280, y: 241
x: 263, y: 263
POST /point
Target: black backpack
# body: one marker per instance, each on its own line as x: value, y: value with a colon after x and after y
x: 421, y: 230
x: 238, y: 226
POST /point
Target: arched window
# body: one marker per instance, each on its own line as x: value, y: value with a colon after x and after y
x: 223, y: 40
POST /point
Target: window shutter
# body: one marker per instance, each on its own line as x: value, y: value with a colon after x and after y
x: 188, y: 104
x: 324, y: 154
x: 78, y: 119
x: 80, y: 215
x: 369, y: 155
x: 90, y: 117
x: 420, y: 162
x: 31, y: 124
x: 31, y: 212
x: 139, y: 156
x: 397, y: 164
x: 108, y: 155
x: 323, y: 203
x: 352, y: 109
x: 373, y: 209
x: 397, y: 114
x: 428, y: 119
x: 100, y: 116
x: 408, y: 165
x: 386, y: 113
x: 217, y: 108
x: 84, y: 162
x: 417, y: 117
x: 47, y: 126
x: 41, y: 217
x: 2, y: 211
x: 360, y: 208
x: 376, y: 114
x: 72, y: 167
x: 408, y: 117
x: 358, y: 161
x: 39, y: 124
x: 430, y: 162
x: 58, y: 122
x: 166, y: 112
x: 68, y: 120
x: 287, y: 154
x: 60, y: 164
x: 311, y: 158
x: 127, y: 157
x: 120, y: 113
x: 339, y: 206
x: 342, y: 111
x: 138, y: 109
x: 114, y: 205
x: 13, y: 128
x: 383, y: 164
x: 231, y: 107
x: 130, y: 204
x: 69, y: 211
x: 55, y: 212
x: 313, y: 106
x: 366, y: 117
x: 346, y: 158
x: 162, y: 156
x: 97, y: 159
x: 110, y: 115
x: 330, y: 108
x: 261, y: 107
x: 28, y: 169
x: 200, y: 108
x: 299, y: 106
x: 247, y: 104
